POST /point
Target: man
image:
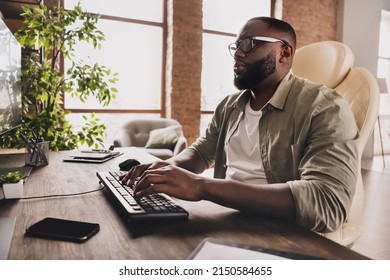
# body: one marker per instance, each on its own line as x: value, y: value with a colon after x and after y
x: 282, y: 147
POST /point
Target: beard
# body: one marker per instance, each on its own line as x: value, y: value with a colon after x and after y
x: 255, y: 73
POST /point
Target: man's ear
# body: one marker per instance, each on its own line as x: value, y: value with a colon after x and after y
x: 286, y: 54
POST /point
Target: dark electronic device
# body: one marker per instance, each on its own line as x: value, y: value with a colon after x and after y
x: 10, y: 89
x: 10, y: 81
x: 128, y: 164
x: 60, y: 229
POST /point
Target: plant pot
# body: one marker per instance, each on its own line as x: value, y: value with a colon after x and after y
x: 14, y: 190
x: 37, y: 154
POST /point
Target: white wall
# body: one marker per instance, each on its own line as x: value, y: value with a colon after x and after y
x: 358, y: 27
x: 359, y: 22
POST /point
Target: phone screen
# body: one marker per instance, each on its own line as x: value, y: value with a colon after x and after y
x: 54, y: 228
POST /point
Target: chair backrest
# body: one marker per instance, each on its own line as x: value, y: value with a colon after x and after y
x: 361, y: 90
x: 136, y: 132
x: 326, y: 62
x: 331, y: 63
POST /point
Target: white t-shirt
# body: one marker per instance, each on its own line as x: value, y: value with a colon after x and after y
x: 243, y: 152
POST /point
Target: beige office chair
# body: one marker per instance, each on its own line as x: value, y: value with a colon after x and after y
x: 161, y: 137
x: 331, y: 63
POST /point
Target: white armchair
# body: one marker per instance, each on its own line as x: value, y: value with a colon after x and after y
x: 162, y: 137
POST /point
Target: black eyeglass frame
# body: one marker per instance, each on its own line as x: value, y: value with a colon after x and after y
x: 233, y: 47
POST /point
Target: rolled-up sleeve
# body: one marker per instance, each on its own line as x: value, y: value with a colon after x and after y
x: 328, y: 168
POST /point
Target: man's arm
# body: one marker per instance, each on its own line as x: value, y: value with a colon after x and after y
x: 189, y: 160
x: 274, y: 200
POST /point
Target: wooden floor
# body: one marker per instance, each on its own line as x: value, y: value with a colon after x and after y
x: 375, y: 240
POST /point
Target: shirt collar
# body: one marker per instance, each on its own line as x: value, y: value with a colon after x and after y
x: 278, y: 100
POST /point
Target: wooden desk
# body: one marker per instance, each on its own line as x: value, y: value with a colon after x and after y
x: 116, y: 240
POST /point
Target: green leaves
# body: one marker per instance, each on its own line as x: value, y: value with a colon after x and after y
x: 11, y: 177
x: 92, y: 80
x: 43, y: 84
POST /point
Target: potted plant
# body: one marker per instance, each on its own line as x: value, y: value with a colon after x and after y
x: 55, y: 32
x: 12, y: 184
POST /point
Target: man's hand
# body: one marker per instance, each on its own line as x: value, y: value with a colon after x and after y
x: 135, y: 172
x: 165, y: 178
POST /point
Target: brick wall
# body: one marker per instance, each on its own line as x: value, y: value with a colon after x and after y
x: 183, y: 75
x: 313, y: 20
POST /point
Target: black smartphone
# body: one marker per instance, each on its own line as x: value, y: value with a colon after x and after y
x: 60, y: 229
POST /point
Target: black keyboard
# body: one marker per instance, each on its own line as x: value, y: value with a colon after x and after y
x: 155, y: 206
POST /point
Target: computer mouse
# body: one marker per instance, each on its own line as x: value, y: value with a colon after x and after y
x: 128, y: 164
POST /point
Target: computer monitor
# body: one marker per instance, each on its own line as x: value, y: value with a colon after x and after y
x: 10, y: 89
x: 10, y: 80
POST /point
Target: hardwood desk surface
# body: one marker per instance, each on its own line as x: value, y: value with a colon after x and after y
x: 117, y: 240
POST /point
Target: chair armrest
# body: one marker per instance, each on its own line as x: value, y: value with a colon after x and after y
x: 181, y: 144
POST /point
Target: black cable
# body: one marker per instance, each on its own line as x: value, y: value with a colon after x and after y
x: 61, y: 195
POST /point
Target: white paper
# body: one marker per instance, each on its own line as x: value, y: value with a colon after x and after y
x: 215, y: 251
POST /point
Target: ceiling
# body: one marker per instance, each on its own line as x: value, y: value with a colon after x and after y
x: 11, y: 9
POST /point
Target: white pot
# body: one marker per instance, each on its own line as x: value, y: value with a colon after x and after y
x: 14, y: 190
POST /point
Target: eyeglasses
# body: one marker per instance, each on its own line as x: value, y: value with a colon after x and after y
x: 247, y: 44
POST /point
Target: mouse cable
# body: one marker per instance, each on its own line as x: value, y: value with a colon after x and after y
x: 61, y: 195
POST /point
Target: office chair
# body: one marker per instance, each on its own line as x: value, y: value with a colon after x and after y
x: 331, y: 63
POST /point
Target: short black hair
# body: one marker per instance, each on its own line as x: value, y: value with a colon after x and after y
x: 281, y: 26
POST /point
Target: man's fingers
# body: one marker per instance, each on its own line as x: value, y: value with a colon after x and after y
x: 147, y: 181
x: 137, y: 171
x: 134, y: 173
x: 154, y: 188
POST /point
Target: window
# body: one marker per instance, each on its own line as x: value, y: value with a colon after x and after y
x: 384, y: 51
x: 220, y: 29
x: 383, y: 73
x: 133, y: 48
x: 137, y: 60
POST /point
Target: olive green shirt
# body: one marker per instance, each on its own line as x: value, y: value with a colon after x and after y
x: 307, y: 137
